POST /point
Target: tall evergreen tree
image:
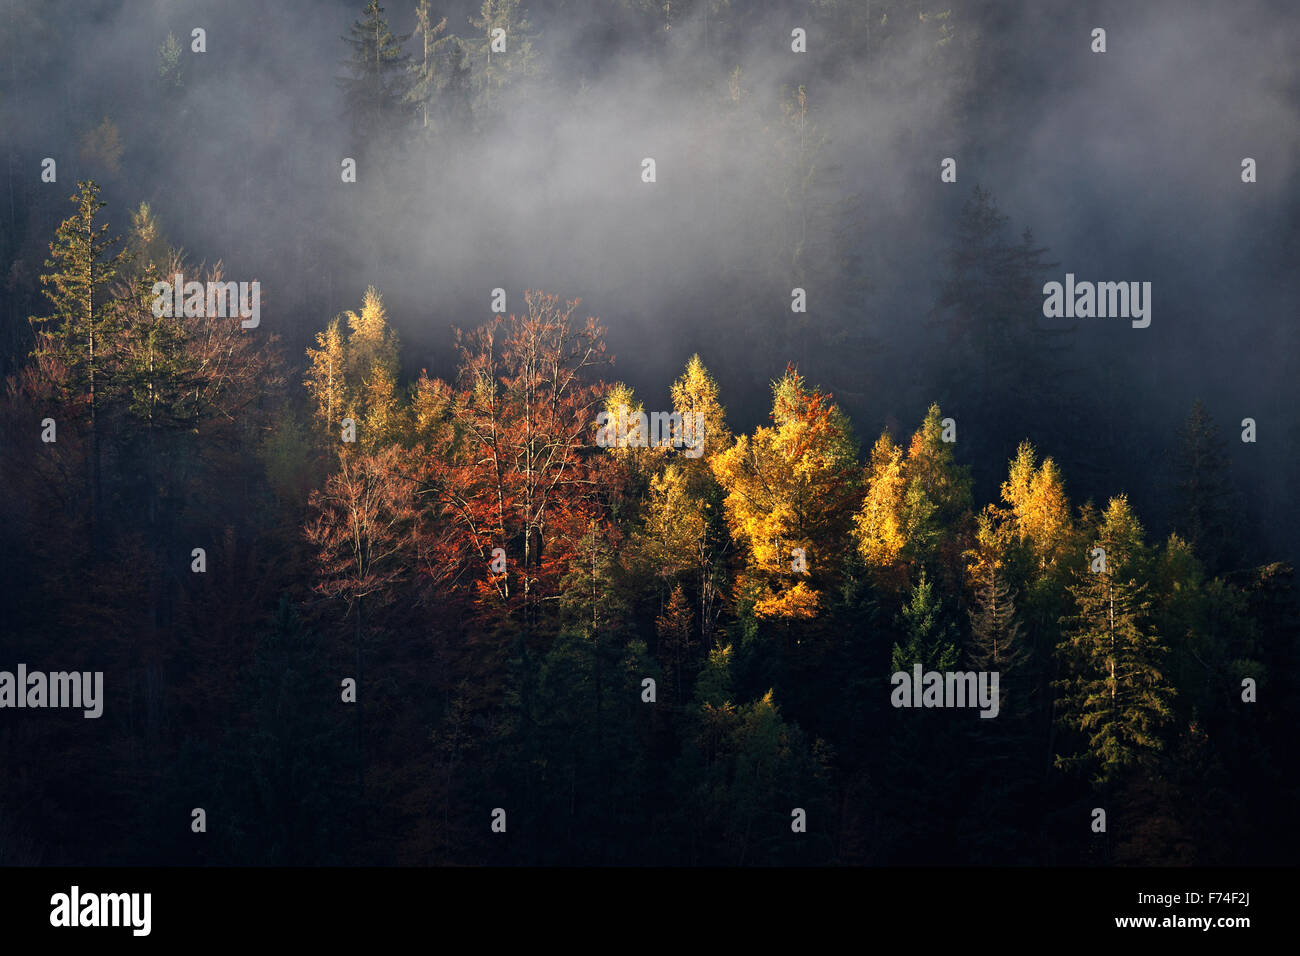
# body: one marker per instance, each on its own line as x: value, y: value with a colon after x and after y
x: 376, y: 93
x: 928, y: 638
x: 1114, y: 690
x: 74, y: 344
x: 424, y: 85
x: 498, y: 72
x: 1006, y: 367
x: 1203, y: 515
x: 996, y: 643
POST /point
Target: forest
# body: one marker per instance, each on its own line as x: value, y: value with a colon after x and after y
x: 392, y: 577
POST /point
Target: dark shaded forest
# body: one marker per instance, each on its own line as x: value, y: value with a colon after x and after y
x: 368, y: 570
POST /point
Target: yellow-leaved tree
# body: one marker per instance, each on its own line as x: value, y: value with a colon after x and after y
x: 696, y: 399
x: 791, y: 490
x: 917, y: 506
x: 353, y: 374
x: 1039, y: 508
x: 879, y: 527
x: 683, y: 539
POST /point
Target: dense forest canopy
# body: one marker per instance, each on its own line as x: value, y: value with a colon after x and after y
x: 380, y: 546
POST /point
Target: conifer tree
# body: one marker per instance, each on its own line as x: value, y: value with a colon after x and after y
x: 326, y: 379
x: 75, y: 343
x: 376, y: 92
x: 794, y: 485
x: 426, y: 73
x: 695, y: 392
x: 673, y: 628
x: 1114, y: 690
x: 996, y: 643
x: 1040, y: 511
x: 993, y: 283
x: 879, y: 527
x: 497, y: 73
x: 1203, y: 513
x: 169, y: 63
x: 372, y: 345
x: 928, y: 638
x: 146, y: 244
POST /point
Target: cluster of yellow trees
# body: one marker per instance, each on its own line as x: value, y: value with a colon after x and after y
x: 793, y: 496
x: 799, y: 503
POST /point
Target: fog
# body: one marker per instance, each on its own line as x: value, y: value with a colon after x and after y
x: 1125, y: 164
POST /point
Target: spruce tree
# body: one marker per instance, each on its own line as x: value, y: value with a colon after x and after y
x: 928, y: 638
x: 1203, y: 512
x: 377, y: 91
x: 996, y: 642
x: 496, y: 73
x: 74, y: 344
x: 1114, y: 690
x: 1005, y: 365
x: 426, y: 73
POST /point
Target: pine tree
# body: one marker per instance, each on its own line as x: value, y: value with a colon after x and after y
x: 917, y: 505
x: 938, y: 498
x: 386, y: 421
x: 425, y: 85
x: 377, y: 91
x: 353, y: 374
x: 156, y: 371
x: 1203, y: 515
x: 458, y: 94
x: 813, y: 237
x: 993, y: 283
x: 996, y: 642
x: 496, y: 74
x: 1114, y: 690
x: 1040, y: 510
x: 372, y: 345
x: 928, y: 638
x: 879, y: 527
x: 75, y: 343
x: 146, y: 244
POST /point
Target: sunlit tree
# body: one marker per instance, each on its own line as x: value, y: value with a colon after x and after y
x: 791, y: 490
x: 1114, y: 691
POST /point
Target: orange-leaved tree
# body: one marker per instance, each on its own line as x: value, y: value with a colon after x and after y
x: 526, y: 476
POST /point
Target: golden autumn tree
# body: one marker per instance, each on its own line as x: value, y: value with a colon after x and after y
x: 326, y: 380
x: 917, y: 505
x: 791, y: 489
x: 1040, y: 511
x: 387, y: 421
x: 372, y: 355
x: 431, y: 414
x: 682, y: 540
x: 352, y: 373
x: 879, y: 527
x: 626, y: 435
x: 695, y: 393
x: 675, y: 522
